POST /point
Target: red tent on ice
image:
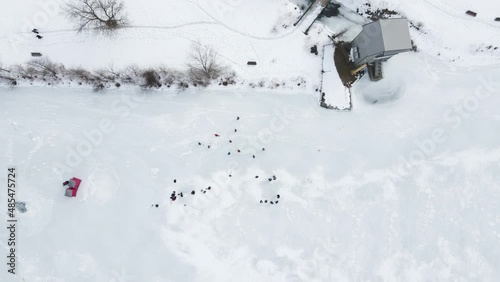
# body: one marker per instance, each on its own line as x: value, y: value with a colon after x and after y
x: 73, y: 183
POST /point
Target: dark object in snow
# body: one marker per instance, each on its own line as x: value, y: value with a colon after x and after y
x: 193, y: 192
x: 278, y: 196
x: 261, y: 201
x: 209, y: 187
x: 74, y: 184
x: 181, y: 194
x: 157, y: 205
x: 471, y: 13
x: 235, y: 130
x: 256, y: 176
x: 230, y: 141
x: 230, y: 175
x: 265, y: 201
x: 173, y: 197
x: 270, y: 179
x: 272, y: 203
x: 204, y: 192
x: 208, y: 147
x: 331, y: 10
x: 253, y: 156
x: 217, y: 135
x: 497, y: 19
x: 239, y: 151
x: 251, y: 63
x: 228, y: 153
x: 36, y: 54
x: 66, y: 182
x: 21, y: 207
x: 175, y: 180
x: 35, y: 30
x: 39, y: 36
x: 199, y: 143
x: 237, y: 118
x: 263, y: 149
x: 314, y: 50
x: 276, y: 202
x: 274, y: 177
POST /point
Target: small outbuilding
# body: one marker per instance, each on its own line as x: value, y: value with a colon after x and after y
x: 381, y: 40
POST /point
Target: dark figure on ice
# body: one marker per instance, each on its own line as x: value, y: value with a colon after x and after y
x: 256, y: 176
x: 235, y: 130
x: 228, y: 153
x: 217, y: 135
x: 239, y: 151
x: 237, y: 118
x: 274, y: 177
x: 39, y: 36
x: 263, y: 149
x: 230, y: 141
x: 270, y: 179
x: 175, y: 180
x: 253, y: 156
x: 192, y: 192
x: 35, y: 30
x: 199, y: 143
x: 278, y: 196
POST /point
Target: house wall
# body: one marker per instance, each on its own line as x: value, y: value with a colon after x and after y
x: 369, y: 43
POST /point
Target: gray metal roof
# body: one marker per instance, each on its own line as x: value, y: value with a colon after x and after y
x: 396, y: 34
x: 383, y: 36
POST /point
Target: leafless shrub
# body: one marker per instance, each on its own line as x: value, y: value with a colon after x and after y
x: 99, y: 15
x: 151, y: 79
x: 203, y: 66
x: 169, y: 76
x: 44, y: 67
x: 228, y: 79
x: 6, y: 76
x: 108, y: 74
x: 131, y: 74
x: 98, y: 87
x: 80, y: 74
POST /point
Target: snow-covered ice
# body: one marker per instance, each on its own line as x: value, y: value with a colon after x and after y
x: 405, y: 189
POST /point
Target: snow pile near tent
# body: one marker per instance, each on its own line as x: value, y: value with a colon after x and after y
x: 335, y: 94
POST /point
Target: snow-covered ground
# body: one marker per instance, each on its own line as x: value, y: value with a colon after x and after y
x: 336, y: 95
x: 405, y: 187
x: 403, y: 191
x: 162, y: 33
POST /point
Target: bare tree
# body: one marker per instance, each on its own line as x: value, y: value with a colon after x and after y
x: 99, y: 15
x: 204, y: 66
x: 44, y: 67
